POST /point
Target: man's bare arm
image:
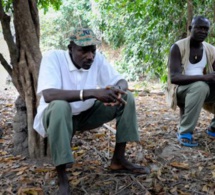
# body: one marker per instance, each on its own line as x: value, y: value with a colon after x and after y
x: 104, y: 95
x: 176, y: 70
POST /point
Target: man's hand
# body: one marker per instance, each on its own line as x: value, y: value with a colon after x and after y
x: 111, y: 96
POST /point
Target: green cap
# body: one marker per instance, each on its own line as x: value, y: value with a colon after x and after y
x: 84, y: 37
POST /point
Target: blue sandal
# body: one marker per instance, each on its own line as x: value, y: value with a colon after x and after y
x: 210, y: 133
x: 187, y: 136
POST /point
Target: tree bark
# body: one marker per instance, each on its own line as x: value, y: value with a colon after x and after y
x: 189, y: 14
x: 25, y: 60
x: 213, y: 12
x: 25, y: 72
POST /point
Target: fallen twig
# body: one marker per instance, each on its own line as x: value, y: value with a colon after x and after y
x: 82, y: 188
x: 100, y: 154
x: 109, y: 128
x: 207, y: 148
x: 123, y: 188
x: 206, y: 159
x: 135, y: 179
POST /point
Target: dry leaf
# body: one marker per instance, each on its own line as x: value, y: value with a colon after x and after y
x: 75, y: 182
x: 76, y: 173
x: 80, y: 152
x: 180, y: 165
x: 213, y: 174
x: 75, y: 148
x: 9, y: 105
x: 2, y: 141
x: 158, y: 187
x: 173, y: 190
x: 183, y: 193
x: 161, y: 179
x: 205, y: 188
x: 44, y: 169
x: 200, y: 168
x: 30, y: 191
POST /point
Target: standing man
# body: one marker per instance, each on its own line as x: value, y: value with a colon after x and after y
x: 192, y: 79
x: 81, y: 91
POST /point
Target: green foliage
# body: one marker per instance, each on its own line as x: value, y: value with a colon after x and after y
x: 208, y: 11
x: 55, y: 30
x: 7, y: 4
x: 46, y: 4
x: 42, y: 4
x: 145, y: 29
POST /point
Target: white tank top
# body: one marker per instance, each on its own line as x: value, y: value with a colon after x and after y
x: 197, y: 69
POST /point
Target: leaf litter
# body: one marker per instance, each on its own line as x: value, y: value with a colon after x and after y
x: 175, y: 169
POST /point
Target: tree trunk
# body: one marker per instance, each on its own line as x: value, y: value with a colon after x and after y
x: 213, y: 12
x: 189, y: 14
x: 25, y: 59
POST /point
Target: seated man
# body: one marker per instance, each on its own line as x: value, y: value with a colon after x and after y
x: 80, y: 91
x: 192, y: 79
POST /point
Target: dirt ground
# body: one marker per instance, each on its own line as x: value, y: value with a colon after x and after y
x: 175, y: 169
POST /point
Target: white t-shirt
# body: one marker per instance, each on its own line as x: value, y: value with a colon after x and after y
x: 196, y: 69
x: 57, y: 71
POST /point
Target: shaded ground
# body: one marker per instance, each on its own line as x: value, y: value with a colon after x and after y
x: 175, y: 169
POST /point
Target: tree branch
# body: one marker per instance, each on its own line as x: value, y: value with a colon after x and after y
x: 35, y: 17
x: 8, y: 37
x: 5, y: 64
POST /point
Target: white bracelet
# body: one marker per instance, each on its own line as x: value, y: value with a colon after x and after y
x: 81, y: 95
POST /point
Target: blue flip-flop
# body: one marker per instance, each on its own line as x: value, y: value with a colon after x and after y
x: 187, y: 136
x: 212, y: 134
